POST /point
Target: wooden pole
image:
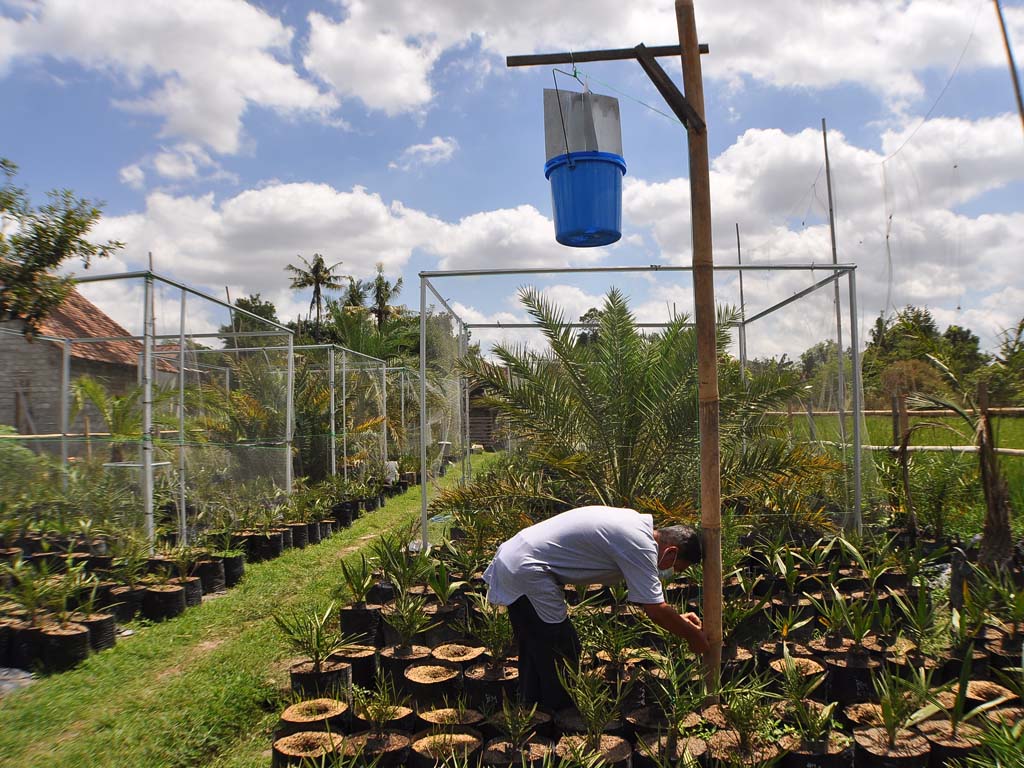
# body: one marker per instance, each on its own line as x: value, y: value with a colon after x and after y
x: 707, y: 346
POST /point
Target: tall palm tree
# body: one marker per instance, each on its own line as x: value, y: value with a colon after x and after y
x: 356, y: 294
x: 318, y: 276
x: 384, y: 292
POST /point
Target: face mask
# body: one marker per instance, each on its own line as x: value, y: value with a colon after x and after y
x: 666, y: 574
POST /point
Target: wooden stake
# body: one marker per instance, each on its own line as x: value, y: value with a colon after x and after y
x: 707, y: 344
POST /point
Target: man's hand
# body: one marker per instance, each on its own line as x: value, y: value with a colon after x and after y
x: 688, y: 627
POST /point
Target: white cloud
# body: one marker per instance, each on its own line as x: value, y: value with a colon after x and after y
x: 133, y: 176
x: 197, y: 64
x: 518, y: 237
x: 247, y: 240
x: 439, y: 149
x: 926, y: 254
x: 384, y: 52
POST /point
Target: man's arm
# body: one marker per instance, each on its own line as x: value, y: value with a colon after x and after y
x: 668, y: 618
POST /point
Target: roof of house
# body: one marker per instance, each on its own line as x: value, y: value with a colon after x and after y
x: 79, y: 318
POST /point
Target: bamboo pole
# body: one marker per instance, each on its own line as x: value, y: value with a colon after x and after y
x: 707, y: 345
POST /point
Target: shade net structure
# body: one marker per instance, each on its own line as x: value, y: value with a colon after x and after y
x: 150, y: 406
x: 444, y: 443
x: 791, y: 423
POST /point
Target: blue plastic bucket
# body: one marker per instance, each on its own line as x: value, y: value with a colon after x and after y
x: 586, y: 197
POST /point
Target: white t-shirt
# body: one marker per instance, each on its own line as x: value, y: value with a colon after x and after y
x: 588, y: 545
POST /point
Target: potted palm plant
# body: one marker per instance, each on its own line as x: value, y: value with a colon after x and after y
x: 816, y: 743
x: 487, y: 683
x: 407, y: 621
x: 359, y: 618
x: 384, y: 713
x: 517, y: 745
x: 901, y: 705
x: 748, y: 738
x: 599, y: 705
x: 29, y: 588
x: 310, y: 632
x: 65, y: 644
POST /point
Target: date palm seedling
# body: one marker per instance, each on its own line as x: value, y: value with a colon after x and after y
x: 1001, y: 747
x: 358, y: 580
x: 464, y: 559
x: 785, y: 623
x: 597, y: 702
x: 902, y: 704
x: 442, y: 584
x: 493, y: 628
x: 786, y: 568
x: 407, y: 618
x: 958, y: 713
x: 379, y: 706
x: 917, y: 617
x: 676, y: 689
x: 518, y: 723
x: 745, y: 708
x: 310, y: 633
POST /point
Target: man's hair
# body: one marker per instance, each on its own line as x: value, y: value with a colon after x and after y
x: 686, y: 539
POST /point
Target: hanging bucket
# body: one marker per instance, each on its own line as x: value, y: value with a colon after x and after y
x: 583, y: 140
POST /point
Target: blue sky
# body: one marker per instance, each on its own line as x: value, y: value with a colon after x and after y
x: 228, y: 137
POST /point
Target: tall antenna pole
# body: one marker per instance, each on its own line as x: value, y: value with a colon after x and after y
x: 1013, y: 66
x: 841, y: 399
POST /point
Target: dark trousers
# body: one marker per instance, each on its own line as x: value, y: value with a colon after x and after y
x: 543, y: 648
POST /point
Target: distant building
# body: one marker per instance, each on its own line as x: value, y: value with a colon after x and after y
x: 31, y: 372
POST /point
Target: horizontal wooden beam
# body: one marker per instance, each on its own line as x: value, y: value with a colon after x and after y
x: 586, y: 57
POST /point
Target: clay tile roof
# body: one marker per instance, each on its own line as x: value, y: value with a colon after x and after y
x: 79, y: 318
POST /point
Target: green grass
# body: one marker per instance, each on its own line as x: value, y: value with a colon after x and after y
x: 202, y: 689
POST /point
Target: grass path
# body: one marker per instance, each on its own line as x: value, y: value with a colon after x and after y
x: 201, y: 690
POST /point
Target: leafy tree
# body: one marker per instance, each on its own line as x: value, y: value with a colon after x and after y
x: 356, y: 294
x: 1006, y: 374
x: 35, y: 242
x: 963, y: 350
x: 242, y: 323
x: 588, y: 335
x: 318, y: 276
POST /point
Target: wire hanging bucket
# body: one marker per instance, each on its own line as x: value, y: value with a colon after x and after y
x: 583, y: 144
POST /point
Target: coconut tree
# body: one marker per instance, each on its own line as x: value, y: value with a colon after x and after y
x: 319, y: 276
x: 383, y: 291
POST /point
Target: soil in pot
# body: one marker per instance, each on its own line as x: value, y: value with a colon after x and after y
x: 773, y: 650
x: 313, y: 532
x: 1005, y: 715
x: 873, y: 751
x: 945, y: 747
x: 126, y: 602
x: 234, y: 569
x: 613, y: 750
x: 652, y: 751
x: 300, y: 535
x: 64, y: 646
x: 431, y: 683
x: 362, y: 621
x: 456, y: 653
x: 305, y: 748
x: 403, y: 721
x: 569, y: 721
x: 102, y: 630
x: 982, y: 691
x: 314, y: 715
x: 193, y: 587
x: 163, y: 602
x: 543, y: 724
x: 486, y: 684
x: 837, y: 752
x: 849, y: 677
x: 457, y: 747
x: 25, y: 647
x: 363, y: 660
x: 652, y: 720
x: 389, y: 748
x: 394, y: 659
x: 333, y: 679
x: 212, y: 575
x: 446, y: 718
x: 725, y: 745
x: 501, y: 754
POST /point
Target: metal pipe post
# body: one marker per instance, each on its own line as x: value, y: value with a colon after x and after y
x: 289, y: 427
x: 182, y: 517
x: 65, y: 409
x: 344, y: 412
x: 857, y: 407
x: 384, y: 408
x: 147, y: 408
x: 330, y: 379
x: 424, y: 470
x: 841, y: 399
